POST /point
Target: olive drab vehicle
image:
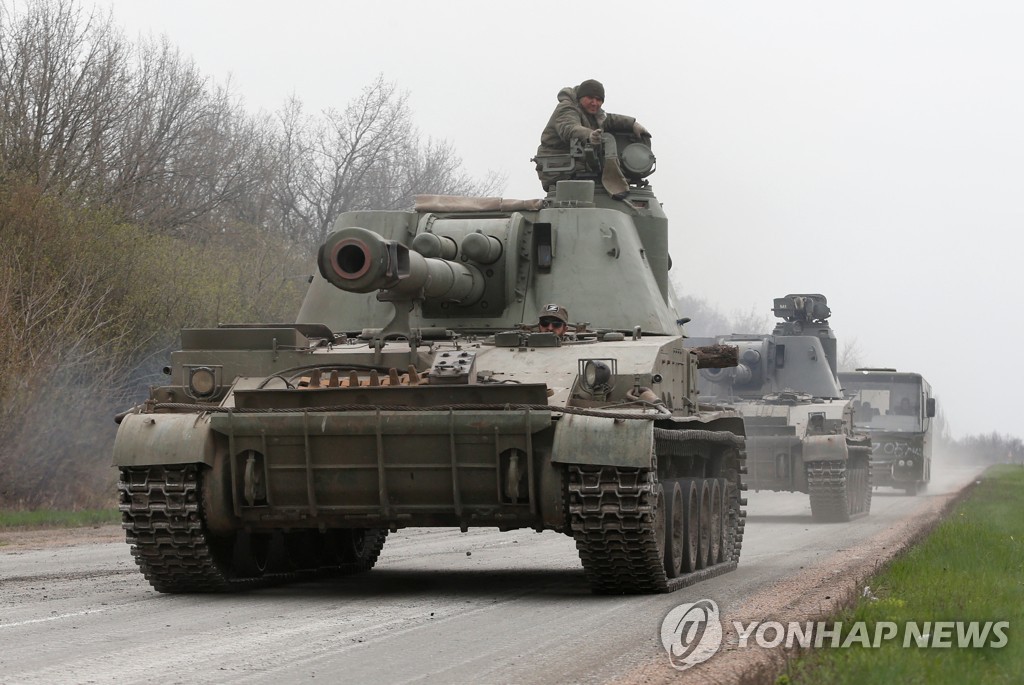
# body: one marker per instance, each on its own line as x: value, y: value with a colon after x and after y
x: 895, y: 409
x: 800, y: 430
x: 415, y: 389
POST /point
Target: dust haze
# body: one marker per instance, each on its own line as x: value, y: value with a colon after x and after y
x: 950, y: 470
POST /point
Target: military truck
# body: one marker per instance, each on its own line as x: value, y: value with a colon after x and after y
x: 415, y: 389
x: 895, y: 409
x: 800, y: 429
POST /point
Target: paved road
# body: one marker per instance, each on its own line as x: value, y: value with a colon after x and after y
x: 440, y: 607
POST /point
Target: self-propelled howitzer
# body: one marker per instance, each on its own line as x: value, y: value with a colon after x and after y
x: 800, y: 431
x: 415, y: 389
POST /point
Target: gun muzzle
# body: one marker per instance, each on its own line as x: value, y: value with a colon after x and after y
x: 360, y: 261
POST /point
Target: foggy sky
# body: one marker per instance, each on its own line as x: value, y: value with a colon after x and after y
x: 870, y: 151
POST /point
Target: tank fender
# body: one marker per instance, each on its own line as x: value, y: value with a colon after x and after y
x: 153, y: 439
x: 825, y: 448
x: 600, y: 441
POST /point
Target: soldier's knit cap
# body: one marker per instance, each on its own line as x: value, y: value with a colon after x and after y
x: 590, y: 87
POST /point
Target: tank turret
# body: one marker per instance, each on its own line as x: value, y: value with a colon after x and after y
x: 807, y: 315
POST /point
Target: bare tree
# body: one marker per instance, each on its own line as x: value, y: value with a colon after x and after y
x: 431, y: 168
x: 705, y: 319
x: 137, y: 197
x: 136, y: 127
x: 850, y: 356
x: 367, y: 156
x: 370, y: 132
x: 292, y: 150
x: 62, y: 83
x: 750, y: 321
x: 189, y: 156
x: 708, y: 321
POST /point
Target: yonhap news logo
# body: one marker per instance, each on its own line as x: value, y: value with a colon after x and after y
x: 692, y: 633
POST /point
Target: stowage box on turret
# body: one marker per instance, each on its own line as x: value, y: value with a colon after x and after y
x: 415, y: 389
x: 800, y: 432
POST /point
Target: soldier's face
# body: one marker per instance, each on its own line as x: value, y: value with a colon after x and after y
x: 591, y: 104
x: 552, y: 324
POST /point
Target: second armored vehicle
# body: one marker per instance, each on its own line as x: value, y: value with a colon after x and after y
x: 415, y: 389
x: 896, y: 410
x: 800, y: 430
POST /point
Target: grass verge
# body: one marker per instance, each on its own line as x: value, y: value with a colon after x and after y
x: 43, y: 518
x: 970, y: 568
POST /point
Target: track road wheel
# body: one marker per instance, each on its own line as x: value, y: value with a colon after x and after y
x: 704, y: 523
x: 352, y: 550
x: 675, y: 534
x: 715, y: 538
x: 691, y: 523
x: 660, y: 520
x: 250, y: 555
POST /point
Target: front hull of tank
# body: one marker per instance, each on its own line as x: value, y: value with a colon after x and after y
x: 281, y: 483
x: 785, y: 456
x: 290, y: 504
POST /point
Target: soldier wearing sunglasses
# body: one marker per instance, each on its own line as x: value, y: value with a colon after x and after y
x: 553, y: 318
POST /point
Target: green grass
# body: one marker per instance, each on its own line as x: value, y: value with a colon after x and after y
x: 44, y: 518
x: 971, y: 567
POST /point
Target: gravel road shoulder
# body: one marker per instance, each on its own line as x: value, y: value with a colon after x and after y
x: 811, y: 595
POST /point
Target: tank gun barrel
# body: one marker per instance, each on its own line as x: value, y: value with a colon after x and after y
x: 360, y: 261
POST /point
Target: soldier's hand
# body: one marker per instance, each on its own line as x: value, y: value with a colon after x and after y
x: 639, y: 131
x: 595, y: 136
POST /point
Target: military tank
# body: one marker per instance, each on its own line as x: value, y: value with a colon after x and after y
x: 800, y: 430
x: 895, y: 408
x: 415, y: 389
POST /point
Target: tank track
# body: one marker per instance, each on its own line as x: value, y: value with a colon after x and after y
x: 736, y: 515
x: 162, y: 517
x: 612, y: 512
x: 839, y: 491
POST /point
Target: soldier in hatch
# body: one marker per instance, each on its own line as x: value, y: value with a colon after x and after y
x: 553, y: 318
x: 579, y: 115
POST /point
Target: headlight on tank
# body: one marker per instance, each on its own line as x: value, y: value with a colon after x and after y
x: 902, y: 463
x: 910, y: 462
x: 595, y: 375
x: 202, y: 382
